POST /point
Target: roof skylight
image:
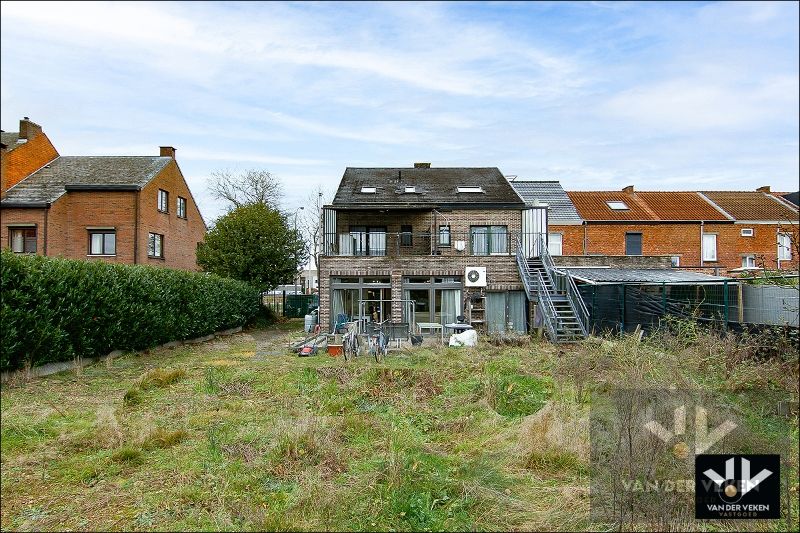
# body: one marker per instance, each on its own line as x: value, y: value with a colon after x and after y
x: 617, y: 206
x: 369, y: 190
x: 410, y: 188
x: 470, y: 188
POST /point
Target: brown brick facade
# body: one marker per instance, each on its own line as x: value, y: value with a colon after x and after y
x: 63, y: 229
x: 27, y: 157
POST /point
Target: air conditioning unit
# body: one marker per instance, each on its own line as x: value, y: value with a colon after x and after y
x: 475, y: 277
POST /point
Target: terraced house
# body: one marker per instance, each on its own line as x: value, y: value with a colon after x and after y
x: 420, y: 246
x: 123, y: 209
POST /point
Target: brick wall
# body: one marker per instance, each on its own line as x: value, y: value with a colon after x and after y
x: 614, y: 261
x: 501, y: 273
x: 180, y: 236
x: 571, y: 238
x: 26, y: 158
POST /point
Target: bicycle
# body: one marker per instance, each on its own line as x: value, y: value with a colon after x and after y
x: 349, y: 345
x: 378, y: 343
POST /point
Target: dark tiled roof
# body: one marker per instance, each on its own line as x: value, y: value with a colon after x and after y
x: 752, y: 205
x: 642, y: 275
x: 9, y: 139
x: 48, y: 183
x: 561, y: 210
x: 434, y: 187
x: 591, y: 205
x: 793, y: 197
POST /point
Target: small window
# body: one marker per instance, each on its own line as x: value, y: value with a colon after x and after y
x: 784, y: 246
x: 470, y: 189
x: 23, y: 240
x: 406, y: 237
x: 444, y: 235
x: 676, y: 261
x: 555, y: 243
x: 181, y: 207
x: 748, y: 261
x: 747, y: 232
x: 369, y: 190
x: 102, y: 242
x: 617, y: 206
x: 633, y: 244
x: 163, y: 201
x: 410, y: 189
x: 709, y: 247
x: 155, y: 245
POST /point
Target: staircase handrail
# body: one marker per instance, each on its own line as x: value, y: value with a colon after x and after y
x: 538, y: 288
x: 570, y: 288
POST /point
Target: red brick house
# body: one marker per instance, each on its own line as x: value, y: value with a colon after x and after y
x: 725, y: 230
x: 122, y: 209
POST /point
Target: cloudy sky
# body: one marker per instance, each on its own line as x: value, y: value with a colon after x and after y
x: 597, y: 95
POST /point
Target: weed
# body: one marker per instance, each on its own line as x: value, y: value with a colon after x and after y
x: 162, y: 438
x: 133, y: 396
x: 211, y: 383
x: 107, y: 431
x: 160, y: 378
x: 128, y: 455
x: 516, y: 395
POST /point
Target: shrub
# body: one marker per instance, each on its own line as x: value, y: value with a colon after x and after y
x: 56, y: 309
x: 160, y: 378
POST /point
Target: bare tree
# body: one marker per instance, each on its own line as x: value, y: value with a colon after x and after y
x: 253, y: 186
x: 312, y: 226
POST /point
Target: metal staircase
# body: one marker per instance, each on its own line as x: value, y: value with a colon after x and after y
x: 562, y: 308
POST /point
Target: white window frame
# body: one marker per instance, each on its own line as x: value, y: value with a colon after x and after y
x: 470, y: 189
x: 369, y: 190
x: 676, y: 261
x: 409, y: 189
x: 180, y: 207
x: 749, y: 261
x: 560, y: 237
x: 785, y: 247
x: 617, y: 205
x: 163, y: 201
x: 709, y: 254
x: 747, y: 232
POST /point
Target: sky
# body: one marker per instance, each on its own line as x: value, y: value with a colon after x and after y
x: 597, y: 95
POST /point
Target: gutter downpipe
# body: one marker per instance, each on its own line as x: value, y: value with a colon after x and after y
x: 585, y: 237
x: 46, y: 211
x: 136, y: 229
x: 702, y: 223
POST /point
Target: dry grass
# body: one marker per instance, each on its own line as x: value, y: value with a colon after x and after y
x: 160, y: 377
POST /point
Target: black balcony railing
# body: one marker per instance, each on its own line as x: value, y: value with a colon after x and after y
x: 477, y: 242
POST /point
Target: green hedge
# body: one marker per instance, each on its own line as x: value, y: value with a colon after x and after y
x: 56, y: 309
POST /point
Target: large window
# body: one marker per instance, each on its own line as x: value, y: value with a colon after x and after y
x: 155, y: 245
x: 784, y: 246
x: 163, y: 201
x: 709, y: 247
x: 505, y: 311
x: 102, y: 242
x: 436, y: 299
x: 23, y: 240
x: 633, y: 244
x: 367, y: 299
x: 489, y: 240
x: 555, y: 243
x: 363, y: 240
x: 181, y: 207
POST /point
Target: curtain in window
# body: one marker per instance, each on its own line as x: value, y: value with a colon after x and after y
x: 516, y: 311
x: 498, y: 240
x: 346, y: 244
x: 17, y: 241
x: 480, y: 241
x: 337, y: 305
x: 451, y: 305
x: 358, y: 241
x: 496, y: 312
x: 709, y: 247
x: 377, y: 242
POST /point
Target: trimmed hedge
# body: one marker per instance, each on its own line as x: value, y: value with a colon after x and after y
x: 56, y: 309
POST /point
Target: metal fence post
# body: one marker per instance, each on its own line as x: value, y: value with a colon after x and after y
x: 725, y: 300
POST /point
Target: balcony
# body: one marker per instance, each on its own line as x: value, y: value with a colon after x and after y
x: 481, y: 241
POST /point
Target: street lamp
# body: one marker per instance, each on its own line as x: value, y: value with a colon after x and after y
x: 295, y: 230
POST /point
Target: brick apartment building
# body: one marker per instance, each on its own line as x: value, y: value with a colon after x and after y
x: 727, y: 230
x: 123, y: 209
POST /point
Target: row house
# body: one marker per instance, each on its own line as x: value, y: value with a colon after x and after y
x: 120, y: 209
x: 709, y: 229
x: 425, y: 245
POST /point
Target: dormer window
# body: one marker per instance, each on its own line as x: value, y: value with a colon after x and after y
x: 470, y: 189
x: 369, y: 190
x: 410, y: 189
x: 617, y: 206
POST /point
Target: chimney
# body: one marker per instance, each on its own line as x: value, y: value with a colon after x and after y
x: 765, y: 188
x: 628, y: 189
x: 3, y: 148
x: 422, y: 165
x: 28, y: 130
x: 167, y: 151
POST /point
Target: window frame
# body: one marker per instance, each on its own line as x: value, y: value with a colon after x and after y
x: 703, y: 248
x: 675, y: 260
x: 151, y: 236
x: 550, y: 235
x: 165, y: 203
x: 641, y: 243
x: 406, y: 235
x: 785, y: 247
x: 751, y: 234
x: 745, y: 258
x: 181, y: 203
x: 25, y: 240
x: 447, y: 233
x: 104, y: 233
x: 617, y: 202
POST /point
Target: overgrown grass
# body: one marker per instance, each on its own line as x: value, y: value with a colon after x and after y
x: 217, y: 437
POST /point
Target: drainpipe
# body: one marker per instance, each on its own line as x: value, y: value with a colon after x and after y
x: 136, y: 229
x: 701, y: 242
x: 46, y: 211
x: 585, y: 237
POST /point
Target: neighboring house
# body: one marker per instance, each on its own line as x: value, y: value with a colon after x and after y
x: 791, y: 197
x: 122, y: 209
x: 397, y: 235
x: 726, y: 230
x: 23, y: 152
